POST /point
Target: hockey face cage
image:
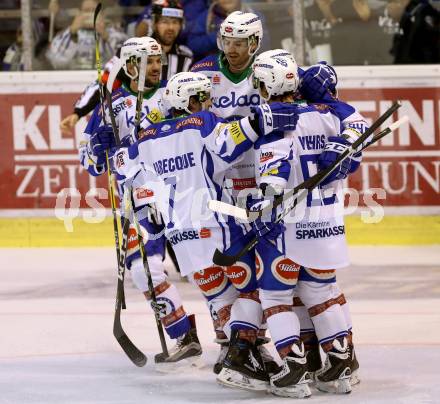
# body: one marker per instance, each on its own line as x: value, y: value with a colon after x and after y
x: 251, y: 40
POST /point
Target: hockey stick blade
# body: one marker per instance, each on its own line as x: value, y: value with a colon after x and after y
x: 227, y: 209
x: 232, y: 254
x: 134, y: 354
x: 388, y: 130
x: 117, y: 66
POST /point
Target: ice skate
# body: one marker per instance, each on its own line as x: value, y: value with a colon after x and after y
x: 314, y: 362
x: 187, y: 346
x: 218, y: 365
x: 269, y: 363
x: 243, y: 367
x: 293, y: 378
x: 354, y: 366
x: 334, y: 377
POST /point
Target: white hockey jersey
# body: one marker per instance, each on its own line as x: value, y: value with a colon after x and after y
x: 179, y: 165
x: 233, y: 96
x: 315, y: 231
x: 124, y: 110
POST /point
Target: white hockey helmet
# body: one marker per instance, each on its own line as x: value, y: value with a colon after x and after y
x: 278, y: 53
x: 132, y: 50
x: 241, y: 25
x: 182, y: 86
x: 279, y: 74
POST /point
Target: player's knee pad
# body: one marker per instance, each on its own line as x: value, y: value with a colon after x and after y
x: 274, y: 270
x: 139, y: 277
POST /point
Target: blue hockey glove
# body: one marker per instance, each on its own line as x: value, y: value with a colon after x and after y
x: 318, y: 84
x: 334, y: 147
x: 101, y: 140
x: 276, y: 116
x: 265, y: 225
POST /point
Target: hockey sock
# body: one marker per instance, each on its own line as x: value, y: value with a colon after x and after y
x: 283, y: 323
x: 246, y: 315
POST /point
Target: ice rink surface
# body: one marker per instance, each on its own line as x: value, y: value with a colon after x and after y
x: 56, y: 342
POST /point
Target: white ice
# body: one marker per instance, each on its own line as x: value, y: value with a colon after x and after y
x: 56, y: 342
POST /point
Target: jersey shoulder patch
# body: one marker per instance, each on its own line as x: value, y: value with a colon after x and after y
x: 210, y: 63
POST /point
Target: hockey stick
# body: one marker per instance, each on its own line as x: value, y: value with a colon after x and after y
x: 388, y: 130
x: 299, y: 193
x: 243, y: 214
x: 140, y: 90
x: 135, y: 355
x: 154, y: 304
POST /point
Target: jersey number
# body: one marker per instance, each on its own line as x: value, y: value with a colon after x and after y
x: 309, y: 167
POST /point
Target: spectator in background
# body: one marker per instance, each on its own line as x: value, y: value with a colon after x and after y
x: 13, y: 60
x: 202, y: 37
x: 167, y: 20
x: 74, y: 48
x: 419, y: 38
x: 191, y: 9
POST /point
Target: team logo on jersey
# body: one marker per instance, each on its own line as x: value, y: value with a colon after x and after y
x: 142, y: 193
x: 216, y: 79
x: 239, y: 274
x: 321, y: 274
x: 259, y: 265
x: 177, y: 237
x: 265, y: 156
x: 237, y: 134
x: 166, y: 128
x: 211, y: 281
x: 236, y: 101
x: 201, y: 65
x: 126, y: 103
x: 192, y: 121
x: 239, y: 184
x: 147, y: 132
x: 120, y: 160
x: 285, y: 270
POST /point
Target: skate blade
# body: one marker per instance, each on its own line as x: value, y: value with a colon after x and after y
x: 354, y: 379
x: 298, y: 391
x: 232, y: 378
x: 340, y: 386
x: 193, y: 362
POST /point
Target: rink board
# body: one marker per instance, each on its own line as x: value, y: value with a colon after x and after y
x: 37, y: 162
x: 51, y: 232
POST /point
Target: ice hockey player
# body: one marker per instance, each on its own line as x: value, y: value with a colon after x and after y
x: 319, y: 84
x: 288, y: 260
x: 168, y: 20
x: 100, y: 138
x: 233, y: 95
x: 180, y: 163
